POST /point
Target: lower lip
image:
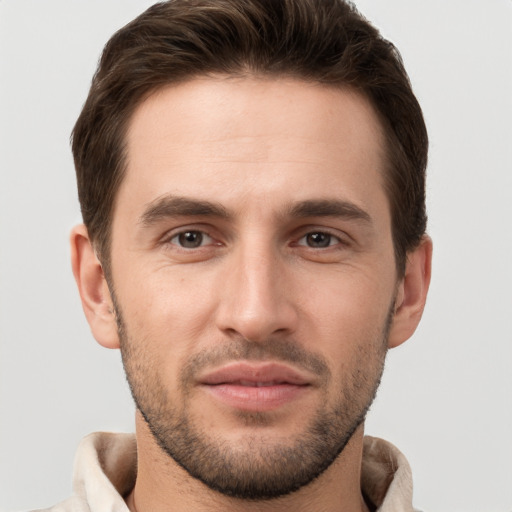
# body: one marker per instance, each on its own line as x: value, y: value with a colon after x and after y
x: 252, y: 398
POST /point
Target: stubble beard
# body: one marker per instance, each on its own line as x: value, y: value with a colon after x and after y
x: 259, y: 468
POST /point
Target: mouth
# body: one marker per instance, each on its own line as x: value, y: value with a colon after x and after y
x: 255, y: 386
x: 258, y: 384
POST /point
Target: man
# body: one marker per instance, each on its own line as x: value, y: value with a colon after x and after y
x: 251, y: 177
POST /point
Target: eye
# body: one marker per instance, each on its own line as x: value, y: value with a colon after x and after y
x: 191, y: 239
x: 319, y: 240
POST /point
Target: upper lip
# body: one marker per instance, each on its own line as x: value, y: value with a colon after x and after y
x: 250, y: 373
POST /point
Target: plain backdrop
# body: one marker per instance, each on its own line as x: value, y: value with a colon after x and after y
x: 446, y: 397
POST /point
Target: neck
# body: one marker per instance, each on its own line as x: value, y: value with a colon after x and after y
x: 162, y: 484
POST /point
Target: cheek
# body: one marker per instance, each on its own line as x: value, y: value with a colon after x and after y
x: 167, y: 311
x: 347, y: 317
x: 349, y: 299
x: 151, y: 293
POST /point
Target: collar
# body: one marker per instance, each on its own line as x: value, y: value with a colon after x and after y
x: 106, y: 468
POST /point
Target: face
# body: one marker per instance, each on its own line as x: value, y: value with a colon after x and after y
x: 253, y: 276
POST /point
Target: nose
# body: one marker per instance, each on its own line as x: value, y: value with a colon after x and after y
x: 257, y: 295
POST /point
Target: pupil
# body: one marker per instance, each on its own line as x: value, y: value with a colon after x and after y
x: 191, y: 239
x: 319, y: 239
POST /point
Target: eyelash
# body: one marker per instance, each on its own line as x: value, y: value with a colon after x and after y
x: 326, y: 234
x: 177, y: 240
x: 184, y: 233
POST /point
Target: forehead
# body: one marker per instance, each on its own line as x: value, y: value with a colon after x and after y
x: 224, y: 137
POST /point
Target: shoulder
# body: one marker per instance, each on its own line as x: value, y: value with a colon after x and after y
x: 73, y: 504
x: 104, y: 471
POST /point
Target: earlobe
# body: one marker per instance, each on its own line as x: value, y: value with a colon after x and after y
x: 412, y: 293
x: 92, y: 286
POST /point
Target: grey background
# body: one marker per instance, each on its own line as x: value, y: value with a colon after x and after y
x: 446, y: 399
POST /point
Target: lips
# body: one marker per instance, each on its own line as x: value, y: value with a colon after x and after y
x: 255, y: 387
x: 258, y: 384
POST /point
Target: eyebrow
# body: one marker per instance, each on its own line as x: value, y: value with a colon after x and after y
x: 329, y: 208
x: 176, y: 206
x: 170, y: 206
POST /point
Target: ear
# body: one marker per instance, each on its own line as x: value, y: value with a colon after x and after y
x: 412, y: 293
x: 92, y: 286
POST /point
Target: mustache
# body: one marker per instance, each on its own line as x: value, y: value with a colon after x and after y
x: 276, y: 349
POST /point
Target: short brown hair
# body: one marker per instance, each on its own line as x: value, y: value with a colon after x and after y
x: 324, y: 41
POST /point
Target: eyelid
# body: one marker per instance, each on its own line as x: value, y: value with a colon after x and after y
x: 342, y: 237
x: 304, y: 237
x: 167, y: 238
x: 206, y: 239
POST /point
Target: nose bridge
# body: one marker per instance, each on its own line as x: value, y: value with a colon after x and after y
x: 259, y: 283
x: 256, y: 304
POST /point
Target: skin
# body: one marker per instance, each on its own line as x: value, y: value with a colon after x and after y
x: 267, y: 153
